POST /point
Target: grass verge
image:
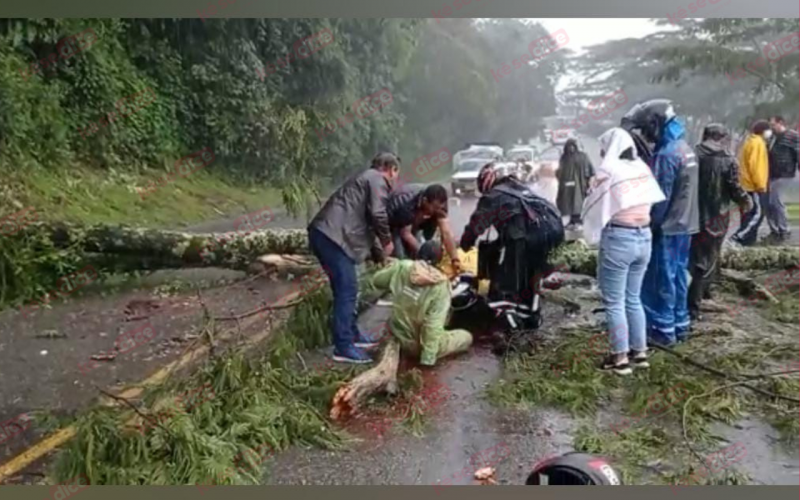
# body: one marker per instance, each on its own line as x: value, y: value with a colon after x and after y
x: 254, y: 405
x: 89, y: 196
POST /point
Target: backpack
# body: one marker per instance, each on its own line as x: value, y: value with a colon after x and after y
x: 545, y: 230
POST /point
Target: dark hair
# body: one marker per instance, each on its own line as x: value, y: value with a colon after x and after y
x: 778, y: 119
x: 385, y: 160
x: 435, y: 192
x: 760, y: 127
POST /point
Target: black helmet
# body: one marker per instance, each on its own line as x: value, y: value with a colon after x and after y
x: 487, y: 177
x: 715, y: 132
x: 645, y: 122
x: 574, y: 469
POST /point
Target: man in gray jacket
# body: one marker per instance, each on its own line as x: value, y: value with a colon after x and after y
x: 352, y: 226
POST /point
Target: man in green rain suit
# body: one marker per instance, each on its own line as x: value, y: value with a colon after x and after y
x: 421, y: 306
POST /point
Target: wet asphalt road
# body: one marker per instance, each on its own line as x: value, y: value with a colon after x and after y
x: 464, y: 432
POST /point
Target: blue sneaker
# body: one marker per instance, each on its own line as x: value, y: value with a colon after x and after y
x: 353, y: 355
x: 365, y: 342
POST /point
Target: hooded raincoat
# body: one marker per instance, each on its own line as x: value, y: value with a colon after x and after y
x: 673, y: 221
x: 574, y: 172
x: 420, y: 309
x: 619, y: 185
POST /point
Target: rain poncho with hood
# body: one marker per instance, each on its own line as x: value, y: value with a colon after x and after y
x: 420, y: 308
x: 675, y: 168
x: 619, y: 184
x: 574, y: 172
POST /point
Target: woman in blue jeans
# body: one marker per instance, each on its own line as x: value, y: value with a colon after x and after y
x: 616, y: 215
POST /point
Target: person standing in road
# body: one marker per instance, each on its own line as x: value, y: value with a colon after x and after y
x: 783, y: 165
x: 718, y: 180
x: 351, y: 226
x: 575, y: 171
x: 617, y: 216
x: 672, y: 222
x: 754, y: 175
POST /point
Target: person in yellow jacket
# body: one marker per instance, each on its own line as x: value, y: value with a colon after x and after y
x: 421, y: 306
x: 754, y: 176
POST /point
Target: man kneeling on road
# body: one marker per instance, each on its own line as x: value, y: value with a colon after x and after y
x: 421, y: 306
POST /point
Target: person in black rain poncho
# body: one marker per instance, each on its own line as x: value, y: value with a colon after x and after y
x: 529, y: 228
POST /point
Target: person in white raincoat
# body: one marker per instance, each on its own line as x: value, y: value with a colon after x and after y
x: 616, y: 214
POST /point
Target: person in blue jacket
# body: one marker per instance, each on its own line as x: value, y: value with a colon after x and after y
x: 660, y: 136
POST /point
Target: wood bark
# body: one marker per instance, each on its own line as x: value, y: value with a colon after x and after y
x: 130, y: 248
x: 383, y: 377
x: 578, y: 258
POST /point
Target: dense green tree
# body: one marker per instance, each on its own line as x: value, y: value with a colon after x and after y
x: 239, y: 87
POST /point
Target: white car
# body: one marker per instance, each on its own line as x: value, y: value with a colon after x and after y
x: 526, y: 154
x: 468, y: 163
x: 465, y: 178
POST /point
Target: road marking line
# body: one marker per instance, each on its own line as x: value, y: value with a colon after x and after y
x: 61, y: 436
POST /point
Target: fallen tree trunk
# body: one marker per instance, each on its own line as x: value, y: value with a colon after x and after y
x: 142, y: 248
x: 150, y: 249
x: 383, y: 377
x: 577, y: 257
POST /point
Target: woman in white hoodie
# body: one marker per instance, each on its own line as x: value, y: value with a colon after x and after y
x: 616, y: 214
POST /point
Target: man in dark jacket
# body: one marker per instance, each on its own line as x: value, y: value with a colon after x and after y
x: 783, y: 164
x: 351, y: 226
x: 672, y: 222
x: 414, y: 209
x: 718, y: 180
x: 529, y: 228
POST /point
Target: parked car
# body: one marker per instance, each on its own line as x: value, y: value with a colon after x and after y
x: 467, y: 164
x: 525, y: 154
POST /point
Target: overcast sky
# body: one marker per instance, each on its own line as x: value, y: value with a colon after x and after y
x: 585, y: 32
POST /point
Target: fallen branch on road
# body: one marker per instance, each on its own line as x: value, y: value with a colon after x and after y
x: 383, y: 377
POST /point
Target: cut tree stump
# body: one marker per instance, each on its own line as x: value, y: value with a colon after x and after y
x: 383, y: 377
